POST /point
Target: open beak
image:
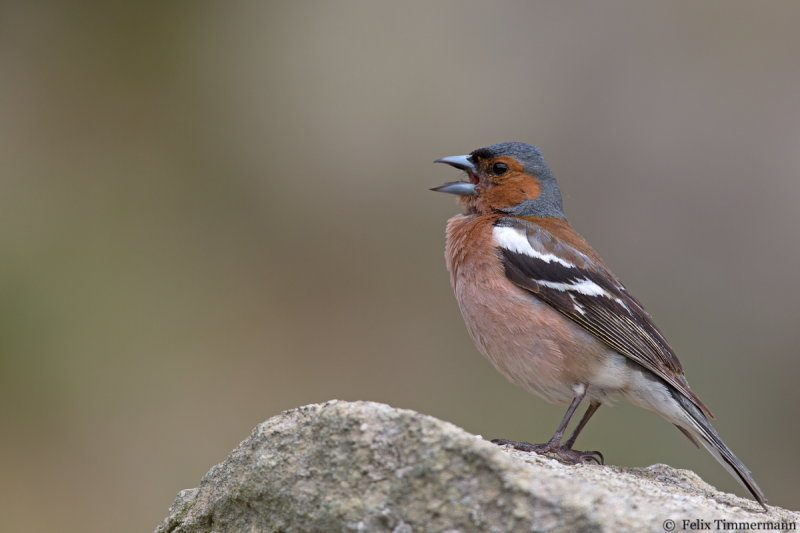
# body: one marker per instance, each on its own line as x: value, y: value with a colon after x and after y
x: 462, y: 188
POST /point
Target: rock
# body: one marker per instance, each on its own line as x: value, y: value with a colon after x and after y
x: 363, y: 466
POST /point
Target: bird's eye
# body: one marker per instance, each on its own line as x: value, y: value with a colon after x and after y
x: 499, y: 168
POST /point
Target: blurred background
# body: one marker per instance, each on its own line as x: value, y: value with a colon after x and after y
x: 212, y: 212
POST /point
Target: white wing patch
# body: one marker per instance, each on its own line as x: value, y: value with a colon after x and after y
x: 620, y: 302
x: 582, y: 285
x: 516, y: 240
x: 578, y: 307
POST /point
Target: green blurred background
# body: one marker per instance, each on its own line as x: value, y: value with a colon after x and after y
x: 214, y: 211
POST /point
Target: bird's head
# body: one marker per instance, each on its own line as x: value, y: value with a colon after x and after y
x: 510, y: 178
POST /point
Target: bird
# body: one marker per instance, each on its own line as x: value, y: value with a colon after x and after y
x: 541, y: 305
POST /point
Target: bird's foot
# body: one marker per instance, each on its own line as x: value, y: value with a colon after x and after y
x: 562, y: 453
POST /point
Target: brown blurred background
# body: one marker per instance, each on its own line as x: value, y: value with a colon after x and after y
x: 211, y: 212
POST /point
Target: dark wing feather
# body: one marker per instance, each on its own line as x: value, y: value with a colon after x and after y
x: 586, y: 292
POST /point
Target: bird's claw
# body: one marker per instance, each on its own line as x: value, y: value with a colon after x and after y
x: 593, y: 456
x: 562, y: 453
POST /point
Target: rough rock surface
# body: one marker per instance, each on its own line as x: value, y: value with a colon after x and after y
x: 363, y: 466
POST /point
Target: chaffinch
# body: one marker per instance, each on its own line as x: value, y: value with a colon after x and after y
x: 542, y: 306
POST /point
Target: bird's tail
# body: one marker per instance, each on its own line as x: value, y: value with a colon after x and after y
x: 700, y: 429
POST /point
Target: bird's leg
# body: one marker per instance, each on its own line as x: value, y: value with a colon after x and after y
x: 593, y: 406
x: 563, y: 452
x: 555, y: 440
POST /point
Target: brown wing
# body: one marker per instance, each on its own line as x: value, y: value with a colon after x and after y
x: 577, y: 284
